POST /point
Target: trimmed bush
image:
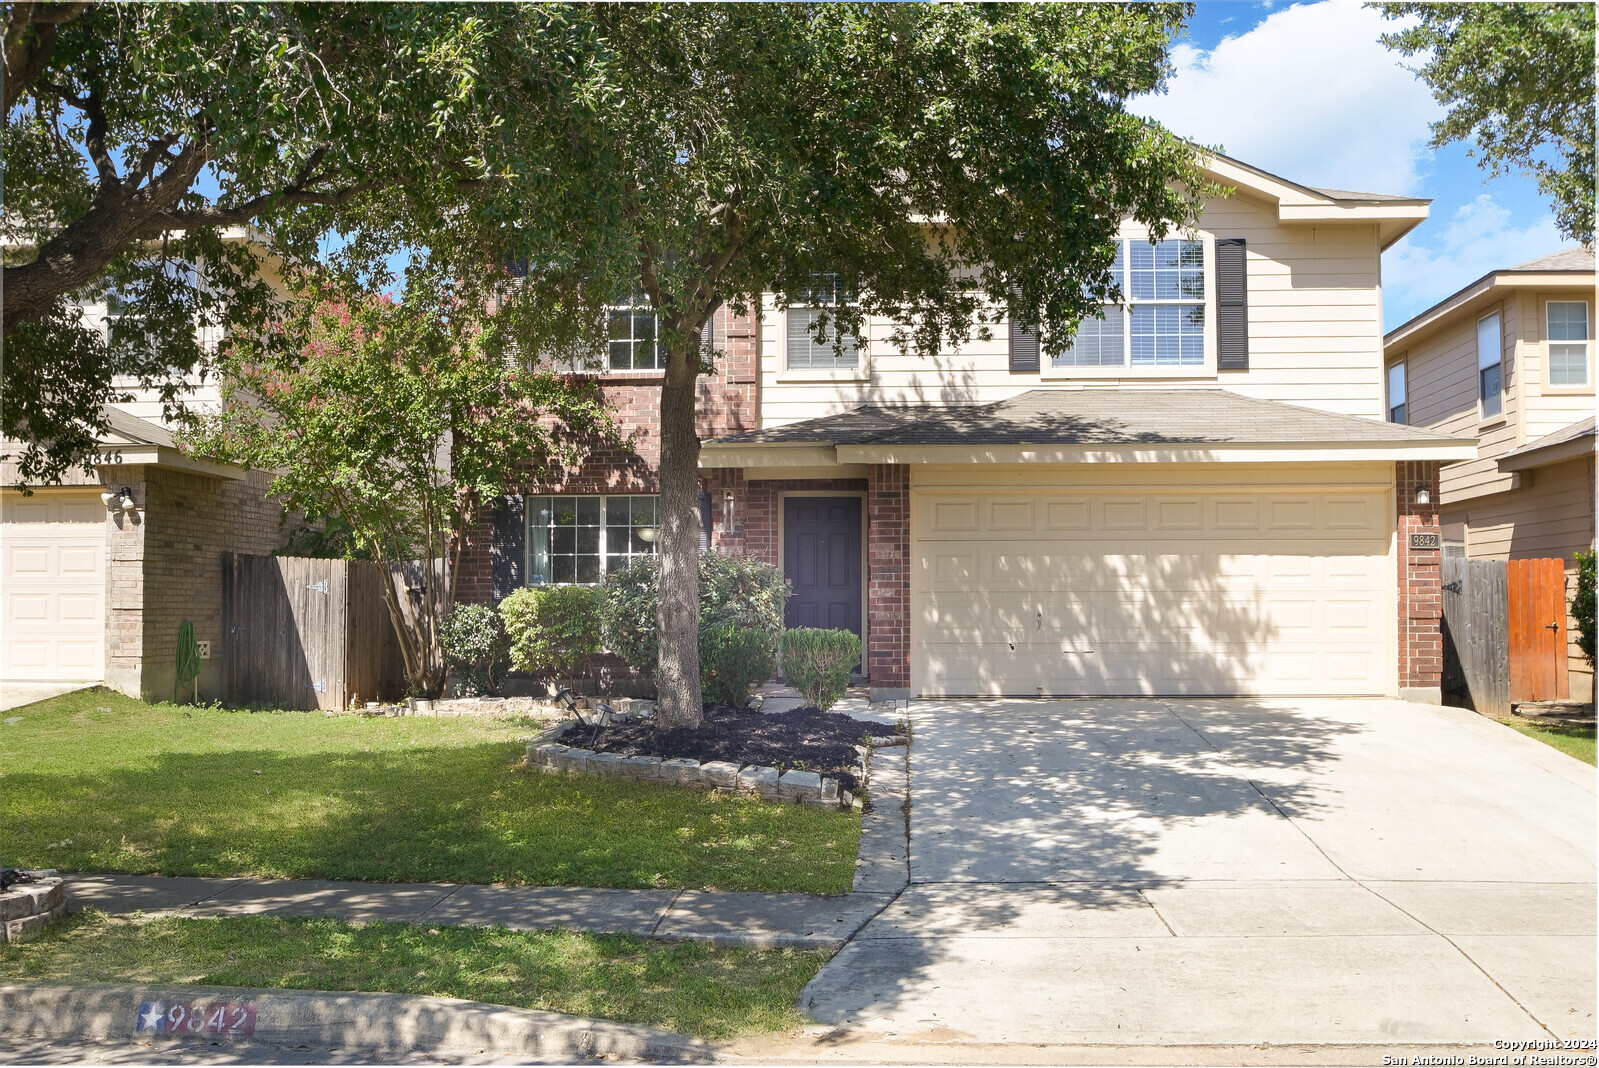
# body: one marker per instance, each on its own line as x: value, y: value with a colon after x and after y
x: 733, y: 661
x: 475, y: 643
x: 555, y: 630
x: 1582, y: 607
x: 735, y: 591
x: 818, y: 663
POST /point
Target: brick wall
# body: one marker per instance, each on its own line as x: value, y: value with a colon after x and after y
x: 762, y: 504
x: 888, y: 586
x: 727, y: 405
x: 165, y: 567
x: 1421, y: 647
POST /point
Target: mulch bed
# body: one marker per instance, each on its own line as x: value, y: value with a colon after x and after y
x: 805, y: 738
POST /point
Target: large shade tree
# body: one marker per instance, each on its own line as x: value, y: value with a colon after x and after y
x: 136, y: 134
x: 1518, y: 80
x: 942, y: 166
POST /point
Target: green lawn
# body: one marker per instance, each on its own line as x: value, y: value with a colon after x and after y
x: 93, y: 781
x: 1573, y: 741
x: 691, y: 988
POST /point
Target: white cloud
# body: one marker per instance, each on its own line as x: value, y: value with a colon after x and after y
x: 1311, y: 94
x: 1478, y: 238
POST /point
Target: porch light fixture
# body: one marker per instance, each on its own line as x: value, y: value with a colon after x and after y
x: 1424, y: 495
x: 727, y: 510
x: 122, y: 498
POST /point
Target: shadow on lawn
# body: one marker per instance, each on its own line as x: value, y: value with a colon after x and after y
x: 459, y: 814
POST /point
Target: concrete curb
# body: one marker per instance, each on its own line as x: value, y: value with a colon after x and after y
x: 377, y: 1023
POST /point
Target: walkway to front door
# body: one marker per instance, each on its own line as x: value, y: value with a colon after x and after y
x: 822, y: 558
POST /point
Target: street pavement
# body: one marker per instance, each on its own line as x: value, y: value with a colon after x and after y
x: 1229, y: 873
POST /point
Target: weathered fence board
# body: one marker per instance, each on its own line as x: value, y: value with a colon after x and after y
x: 1537, y: 602
x: 1476, y: 635
x: 306, y: 633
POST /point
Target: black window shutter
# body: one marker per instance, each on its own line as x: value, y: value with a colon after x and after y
x: 1232, y: 305
x: 705, y: 522
x: 1023, y: 348
x: 509, y: 549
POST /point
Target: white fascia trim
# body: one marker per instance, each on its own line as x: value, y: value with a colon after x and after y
x: 1254, y: 454
x: 162, y: 456
x: 783, y: 455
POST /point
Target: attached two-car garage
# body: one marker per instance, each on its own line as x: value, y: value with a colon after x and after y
x: 53, y: 585
x: 1152, y: 579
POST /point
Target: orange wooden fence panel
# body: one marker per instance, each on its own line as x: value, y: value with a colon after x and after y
x: 1537, y: 609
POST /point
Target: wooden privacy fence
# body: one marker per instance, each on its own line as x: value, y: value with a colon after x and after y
x: 1504, y: 633
x: 307, y: 633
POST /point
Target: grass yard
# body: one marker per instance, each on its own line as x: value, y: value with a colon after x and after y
x: 1573, y: 741
x: 691, y: 988
x: 94, y: 781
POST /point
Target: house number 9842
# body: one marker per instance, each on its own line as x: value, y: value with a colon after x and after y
x: 1426, y: 541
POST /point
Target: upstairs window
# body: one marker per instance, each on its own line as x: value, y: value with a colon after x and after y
x: 808, y: 352
x: 1161, y: 322
x: 1396, y: 393
x: 1490, y: 365
x: 633, y: 345
x: 1568, y: 335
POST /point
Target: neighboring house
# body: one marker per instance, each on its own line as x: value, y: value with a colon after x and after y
x: 1202, y: 496
x: 1510, y: 360
x: 98, y: 572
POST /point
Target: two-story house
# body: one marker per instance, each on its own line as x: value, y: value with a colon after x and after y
x: 1202, y: 495
x: 1510, y: 359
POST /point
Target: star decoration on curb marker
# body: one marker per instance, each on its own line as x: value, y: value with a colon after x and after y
x: 153, y: 1014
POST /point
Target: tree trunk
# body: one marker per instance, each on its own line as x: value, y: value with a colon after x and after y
x: 677, y: 674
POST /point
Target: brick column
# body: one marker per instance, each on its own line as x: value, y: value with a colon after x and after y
x: 888, y: 586
x: 1421, y: 640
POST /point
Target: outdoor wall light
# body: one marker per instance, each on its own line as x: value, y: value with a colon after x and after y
x: 727, y: 510
x: 122, y: 498
x: 1424, y: 496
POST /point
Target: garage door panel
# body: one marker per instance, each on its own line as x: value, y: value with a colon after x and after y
x: 52, y: 586
x: 1185, y: 593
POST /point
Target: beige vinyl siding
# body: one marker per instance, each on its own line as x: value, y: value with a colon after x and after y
x: 1549, y: 409
x: 1315, y: 335
x: 1443, y: 396
x: 1552, y: 515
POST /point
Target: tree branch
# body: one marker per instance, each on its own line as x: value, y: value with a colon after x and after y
x: 31, y: 32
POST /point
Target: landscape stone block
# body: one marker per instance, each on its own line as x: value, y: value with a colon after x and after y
x: 641, y: 767
x: 799, y: 785
x: 757, y: 779
x: 605, y: 763
x: 27, y: 927
x: 719, y: 773
x: 680, y: 770
x: 14, y: 906
x: 576, y: 761
x: 547, y: 754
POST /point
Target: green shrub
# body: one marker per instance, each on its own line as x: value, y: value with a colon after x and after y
x: 733, y: 661
x: 818, y: 663
x: 475, y: 644
x: 1582, y: 606
x: 735, y: 591
x: 555, y: 630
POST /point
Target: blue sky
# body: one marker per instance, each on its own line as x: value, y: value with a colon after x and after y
x: 1308, y: 92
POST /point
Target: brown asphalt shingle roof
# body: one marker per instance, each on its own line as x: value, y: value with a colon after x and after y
x: 1094, y: 417
x: 1569, y: 259
x: 1583, y: 428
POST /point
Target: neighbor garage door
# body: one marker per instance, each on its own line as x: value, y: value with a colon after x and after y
x: 52, y: 584
x: 1181, y: 589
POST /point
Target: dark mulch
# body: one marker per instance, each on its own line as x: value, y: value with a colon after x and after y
x: 804, y: 738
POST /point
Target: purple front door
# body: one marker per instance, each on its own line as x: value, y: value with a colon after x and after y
x: 822, y: 558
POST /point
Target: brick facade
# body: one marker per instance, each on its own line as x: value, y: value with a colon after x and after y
x: 1421, y: 643
x: 164, y: 566
x: 888, y: 586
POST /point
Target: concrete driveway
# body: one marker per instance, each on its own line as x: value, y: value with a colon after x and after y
x: 1230, y: 872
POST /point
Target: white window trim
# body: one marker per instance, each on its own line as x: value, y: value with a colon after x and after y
x: 1565, y: 388
x: 1048, y: 371
x: 527, y: 537
x: 861, y: 372
x: 1403, y: 363
x: 1476, y: 350
x: 605, y: 359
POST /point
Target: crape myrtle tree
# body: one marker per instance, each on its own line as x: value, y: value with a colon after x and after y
x: 136, y: 134
x: 941, y: 166
x: 400, y: 418
x: 1518, y: 80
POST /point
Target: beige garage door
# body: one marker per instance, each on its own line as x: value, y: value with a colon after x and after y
x: 1213, y: 590
x: 52, y: 566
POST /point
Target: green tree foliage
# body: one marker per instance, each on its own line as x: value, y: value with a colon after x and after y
x: 733, y: 661
x: 475, y: 642
x: 138, y: 135
x: 1518, y: 79
x: 555, y: 630
x: 402, y: 420
x: 1582, y: 607
x: 943, y: 166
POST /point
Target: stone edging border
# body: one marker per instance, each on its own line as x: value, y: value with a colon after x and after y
x: 547, y: 753
x: 26, y: 909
